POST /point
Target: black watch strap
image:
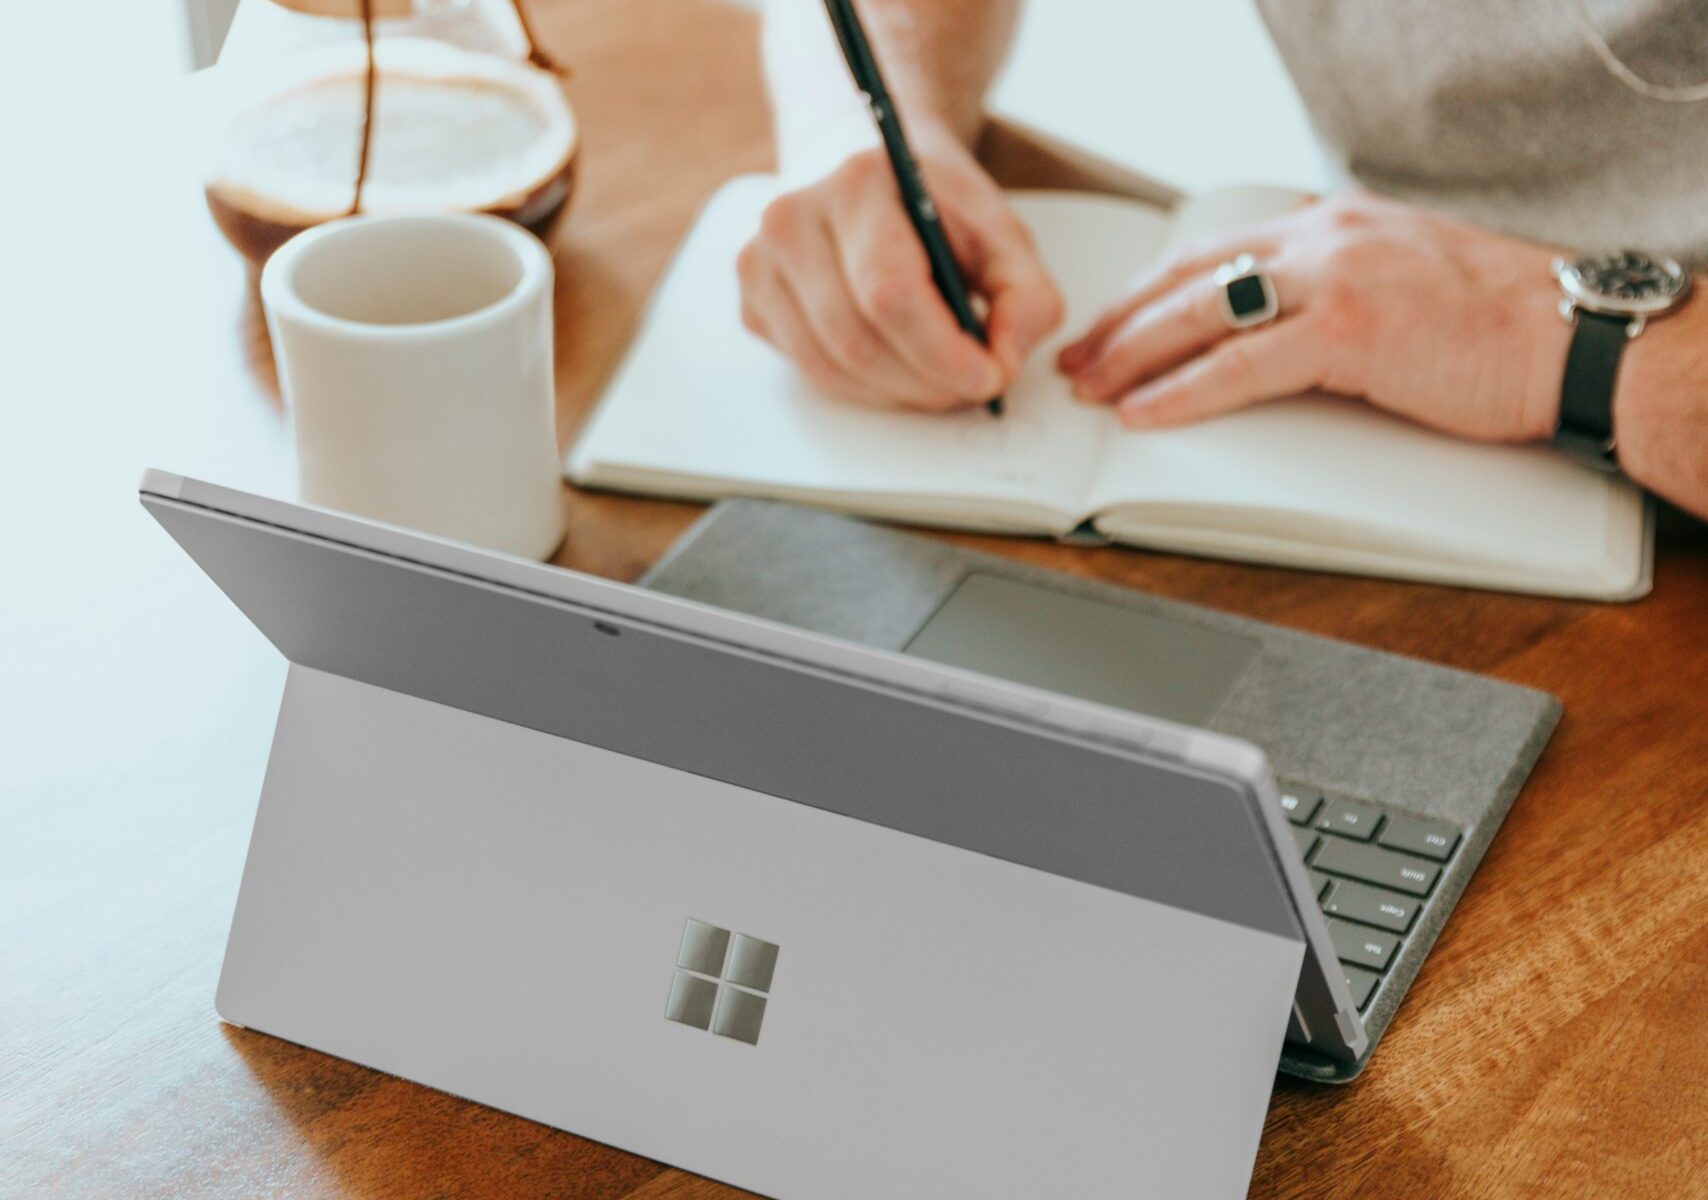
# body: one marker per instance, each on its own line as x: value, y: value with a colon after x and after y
x: 1586, y: 393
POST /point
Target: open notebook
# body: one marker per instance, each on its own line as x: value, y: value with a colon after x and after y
x: 702, y: 409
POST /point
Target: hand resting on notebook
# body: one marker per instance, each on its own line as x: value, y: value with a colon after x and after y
x: 1438, y: 321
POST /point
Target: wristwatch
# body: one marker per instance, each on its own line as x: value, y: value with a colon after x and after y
x: 1609, y: 298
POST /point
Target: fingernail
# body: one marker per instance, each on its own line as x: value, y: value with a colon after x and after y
x: 984, y: 382
x: 1134, y: 410
x: 1070, y: 357
x: 1087, y: 386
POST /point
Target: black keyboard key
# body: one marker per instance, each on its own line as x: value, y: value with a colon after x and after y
x: 1417, y: 835
x: 1373, y: 906
x: 1307, y: 841
x: 1300, y: 805
x: 1348, y: 819
x: 1320, y: 882
x: 1363, y: 984
x: 1373, y: 864
x: 1370, y: 948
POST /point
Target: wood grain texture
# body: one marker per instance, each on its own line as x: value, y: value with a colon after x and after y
x: 1555, y: 1044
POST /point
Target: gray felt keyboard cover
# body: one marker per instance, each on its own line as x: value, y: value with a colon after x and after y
x: 1404, y: 733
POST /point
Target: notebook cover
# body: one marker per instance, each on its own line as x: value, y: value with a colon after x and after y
x: 1426, y: 738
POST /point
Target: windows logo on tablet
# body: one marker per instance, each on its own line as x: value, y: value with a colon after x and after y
x: 721, y: 982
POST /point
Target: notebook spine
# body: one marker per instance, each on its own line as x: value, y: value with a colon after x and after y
x: 1086, y: 533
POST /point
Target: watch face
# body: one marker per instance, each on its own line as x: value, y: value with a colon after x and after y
x: 1629, y: 282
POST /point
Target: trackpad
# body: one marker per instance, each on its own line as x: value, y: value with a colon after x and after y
x: 1116, y: 656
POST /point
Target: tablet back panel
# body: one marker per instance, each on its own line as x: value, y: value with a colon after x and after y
x: 500, y: 839
x: 501, y: 914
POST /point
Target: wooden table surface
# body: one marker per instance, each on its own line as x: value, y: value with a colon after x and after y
x: 1555, y: 1044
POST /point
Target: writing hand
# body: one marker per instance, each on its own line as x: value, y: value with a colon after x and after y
x: 837, y: 281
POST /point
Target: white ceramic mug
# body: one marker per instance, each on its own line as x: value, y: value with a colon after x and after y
x: 415, y: 354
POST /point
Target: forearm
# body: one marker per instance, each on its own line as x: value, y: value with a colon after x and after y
x: 1660, y: 408
x: 938, y: 58
x: 941, y: 56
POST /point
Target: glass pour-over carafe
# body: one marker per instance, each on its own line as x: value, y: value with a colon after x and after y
x: 337, y: 107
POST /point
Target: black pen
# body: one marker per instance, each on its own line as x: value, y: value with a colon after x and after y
x: 915, y: 199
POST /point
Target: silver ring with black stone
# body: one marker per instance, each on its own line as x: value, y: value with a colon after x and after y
x: 1247, y: 292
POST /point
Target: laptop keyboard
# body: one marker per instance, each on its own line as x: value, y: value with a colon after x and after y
x: 1374, y: 869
